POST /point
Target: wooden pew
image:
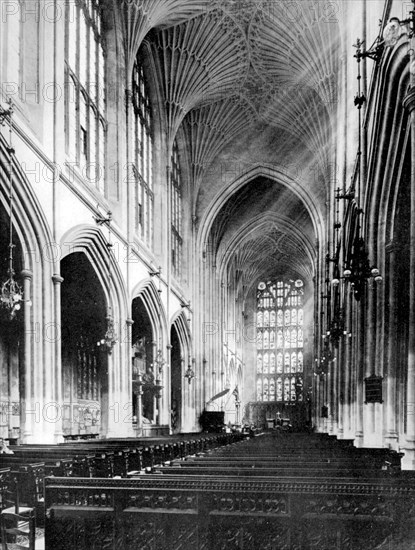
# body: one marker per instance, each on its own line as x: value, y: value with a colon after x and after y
x: 294, y: 462
x: 276, y: 472
x: 322, y: 496
x: 109, y: 458
x: 99, y: 458
x: 213, y: 512
x: 4, y: 486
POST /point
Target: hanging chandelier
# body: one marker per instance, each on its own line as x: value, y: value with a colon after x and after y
x: 11, y: 296
x: 110, y: 338
x: 358, y: 270
x: 190, y: 373
x: 159, y: 361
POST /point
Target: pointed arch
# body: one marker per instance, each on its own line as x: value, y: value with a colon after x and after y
x: 92, y: 242
x: 29, y: 220
x: 179, y: 320
x: 40, y: 257
x: 181, y: 388
x: 147, y: 291
x: 274, y: 173
x: 258, y: 225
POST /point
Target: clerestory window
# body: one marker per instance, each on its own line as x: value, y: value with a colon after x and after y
x: 176, y: 212
x: 141, y: 133
x: 85, y: 90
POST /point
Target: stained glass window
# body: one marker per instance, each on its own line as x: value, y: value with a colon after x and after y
x: 260, y: 319
x: 279, y: 388
x: 259, y: 363
x: 265, y: 389
x: 280, y: 360
x: 259, y: 389
x: 266, y: 359
x: 272, y: 363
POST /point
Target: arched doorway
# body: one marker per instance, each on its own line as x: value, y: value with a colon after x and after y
x: 84, y: 363
x: 176, y: 364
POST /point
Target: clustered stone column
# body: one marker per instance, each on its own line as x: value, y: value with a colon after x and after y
x: 408, y: 461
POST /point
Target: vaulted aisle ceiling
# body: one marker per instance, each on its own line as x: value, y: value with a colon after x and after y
x: 248, y: 83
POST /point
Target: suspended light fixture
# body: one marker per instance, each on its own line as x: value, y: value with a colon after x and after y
x: 358, y: 270
x: 159, y: 362
x: 190, y: 373
x: 11, y: 296
x: 110, y: 338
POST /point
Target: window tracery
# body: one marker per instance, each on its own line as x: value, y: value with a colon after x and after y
x: 85, y: 90
x: 141, y: 133
x: 280, y: 341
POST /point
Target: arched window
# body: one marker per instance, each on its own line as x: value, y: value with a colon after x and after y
x: 176, y: 212
x: 142, y: 154
x: 272, y: 389
x: 287, y: 367
x: 266, y: 363
x: 265, y: 390
x: 266, y: 339
x: 85, y: 90
x: 272, y: 363
x: 266, y: 318
x: 280, y: 328
x: 286, y: 389
x: 279, y: 362
x: 293, y: 362
x: 259, y: 341
x: 279, y: 388
x: 259, y: 389
x: 294, y: 317
x: 300, y: 362
x: 259, y: 363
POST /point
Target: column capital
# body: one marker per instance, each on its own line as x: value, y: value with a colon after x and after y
x: 409, y: 100
x: 57, y: 279
x: 27, y: 274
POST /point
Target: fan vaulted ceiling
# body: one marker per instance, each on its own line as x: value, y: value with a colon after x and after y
x: 248, y: 84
